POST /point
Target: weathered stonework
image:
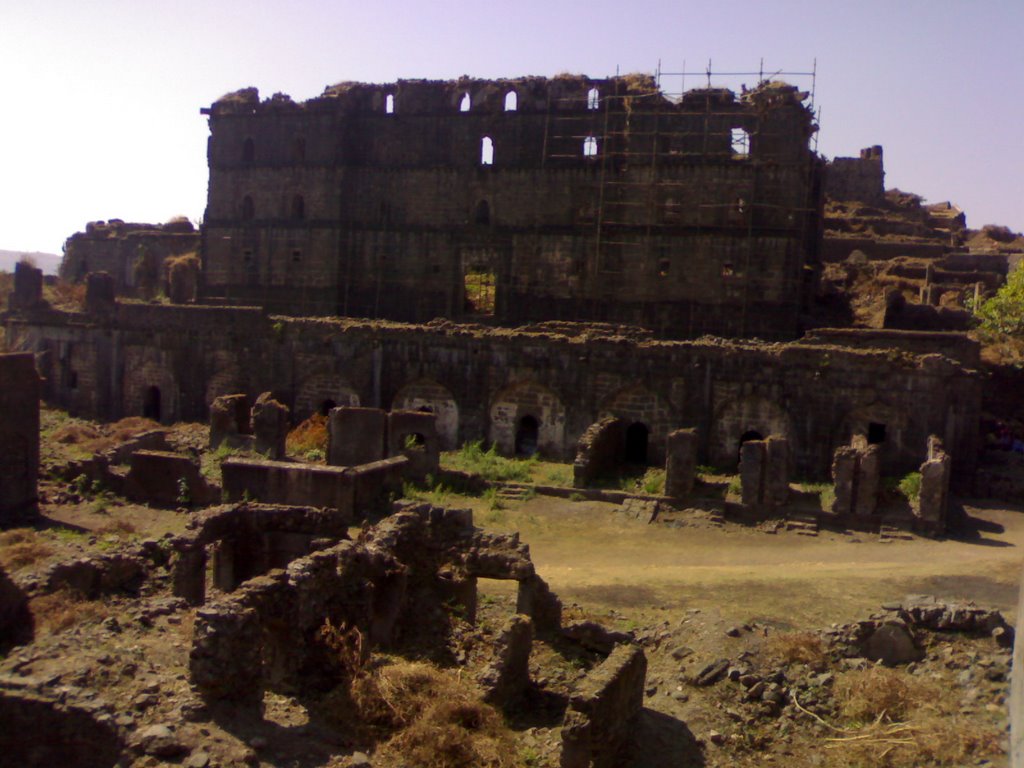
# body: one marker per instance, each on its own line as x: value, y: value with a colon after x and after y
x: 593, y: 199
x: 545, y: 385
x: 19, y: 438
x: 681, y: 463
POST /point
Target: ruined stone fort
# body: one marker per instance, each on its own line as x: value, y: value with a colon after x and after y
x: 522, y: 258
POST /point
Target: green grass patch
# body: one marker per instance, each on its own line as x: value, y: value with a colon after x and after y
x: 473, y: 458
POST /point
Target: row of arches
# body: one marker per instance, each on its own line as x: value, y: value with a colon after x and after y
x: 589, y: 149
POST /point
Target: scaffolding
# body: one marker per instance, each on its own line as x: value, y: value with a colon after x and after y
x: 638, y: 134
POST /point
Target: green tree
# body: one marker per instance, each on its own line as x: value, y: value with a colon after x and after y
x: 1003, y: 315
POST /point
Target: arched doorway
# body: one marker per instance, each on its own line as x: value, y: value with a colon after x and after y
x: 151, y: 404
x: 746, y: 437
x: 637, y: 436
x: 527, y: 436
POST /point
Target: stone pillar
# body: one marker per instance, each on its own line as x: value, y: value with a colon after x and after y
x: 100, y: 294
x: 844, y: 477
x: 536, y: 600
x: 752, y: 472
x: 508, y: 676
x: 226, y: 657
x: 270, y: 426
x: 776, y: 481
x: 680, y: 463
x: 19, y: 438
x: 229, y: 418
x: 28, y: 287
x: 933, y: 509
x: 356, y: 435
x: 188, y: 574
x: 866, y: 500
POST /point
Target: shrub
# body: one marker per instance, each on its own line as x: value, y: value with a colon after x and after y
x: 490, y: 466
x: 309, y: 439
x: 879, y: 693
x: 798, y: 648
x: 910, y: 486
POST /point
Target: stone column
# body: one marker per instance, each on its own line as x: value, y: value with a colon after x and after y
x: 866, y: 500
x: 680, y: 463
x: 776, y: 483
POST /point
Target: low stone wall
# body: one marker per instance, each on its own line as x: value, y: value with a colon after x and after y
x: 166, y: 479
x: 374, y: 484
x: 280, y: 482
x: 603, y: 710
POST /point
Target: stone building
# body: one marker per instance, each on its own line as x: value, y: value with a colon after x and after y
x: 517, y: 200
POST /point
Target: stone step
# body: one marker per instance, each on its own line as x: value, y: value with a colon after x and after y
x: 803, y: 525
x: 892, y: 533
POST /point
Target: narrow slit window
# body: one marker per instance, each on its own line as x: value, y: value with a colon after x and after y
x: 740, y: 142
x: 511, y: 101
x: 389, y: 104
x: 466, y: 102
x: 486, y: 151
x: 593, y: 98
x: 590, y: 147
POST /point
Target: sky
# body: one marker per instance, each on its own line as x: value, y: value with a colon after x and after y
x: 100, y: 99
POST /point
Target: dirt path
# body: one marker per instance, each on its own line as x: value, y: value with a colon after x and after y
x: 593, y: 554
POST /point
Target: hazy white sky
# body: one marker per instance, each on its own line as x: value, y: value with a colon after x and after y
x: 100, y: 115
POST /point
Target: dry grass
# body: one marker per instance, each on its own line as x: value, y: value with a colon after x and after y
x: 308, y: 437
x: 798, y: 648
x: 22, y: 547
x: 881, y: 694
x: 117, y: 527
x: 64, y: 295
x: 131, y: 426
x: 420, y: 715
x: 64, y: 609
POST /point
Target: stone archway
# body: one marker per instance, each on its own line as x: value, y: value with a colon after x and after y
x: 642, y: 409
x: 747, y: 418
x: 320, y: 390
x: 512, y: 409
x: 427, y: 395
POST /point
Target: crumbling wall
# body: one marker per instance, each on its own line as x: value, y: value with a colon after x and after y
x: 392, y: 585
x: 764, y: 472
x: 166, y: 480
x: 857, y: 178
x: 19, y: 438
x: 117, y: 247
x: 280, y: 482
x: 933, y: 506
x: 599, y: 451
x: 681, y: 463
x: 602, y: 713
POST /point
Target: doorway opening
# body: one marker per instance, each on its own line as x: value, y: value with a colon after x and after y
x: 637, y: 436
x: 527, y: 436
x: 151, y: 404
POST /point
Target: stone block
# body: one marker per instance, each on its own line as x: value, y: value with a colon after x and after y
x: 681, y: 463
x: 28, y: 287
x: 280, y: 482
x: 868, y: 474
x: 269, y: 426
x: 166, y: 480
x: 229, y: 419
x: 356, y: 435
x: 19, y: 438
x: 753, y: 455
x: 844, y: 474
x: 777, y: 471
x: 375, y: 483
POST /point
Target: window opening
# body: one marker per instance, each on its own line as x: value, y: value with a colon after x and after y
x: 593, y: 98
x: 248, y: 151
x: 248, y: 209
x: 527, y: 436
x: 298, y: 208
x: 876, y: 433
x: 151, y: 404
x: 637, y: 436
x: 486, y: 151
x: 479, y: 291
x: 740, y: 141
x: 482, y: 214
x: 466, y: 102
x: 389, y: 104
x: 511, y: 101
x: 590, y: 147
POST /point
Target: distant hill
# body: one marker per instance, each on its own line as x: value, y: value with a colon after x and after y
x: 48, y: 262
